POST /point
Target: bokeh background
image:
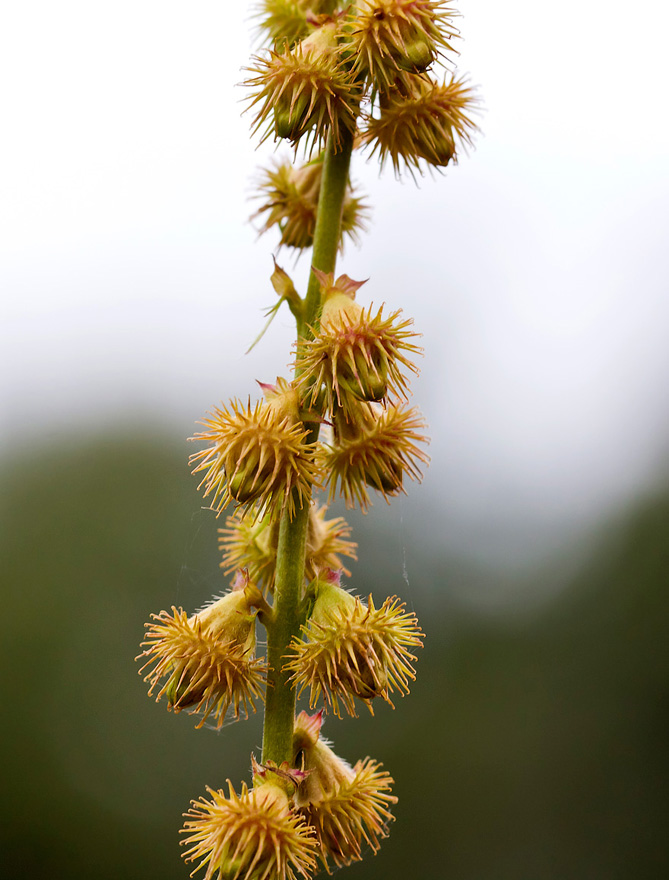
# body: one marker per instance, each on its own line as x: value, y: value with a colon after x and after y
x: 534, y: 743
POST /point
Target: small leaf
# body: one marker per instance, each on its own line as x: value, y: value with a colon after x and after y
x: 283, y: 285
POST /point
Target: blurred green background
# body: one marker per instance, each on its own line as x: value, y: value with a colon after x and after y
x: 533, y: 744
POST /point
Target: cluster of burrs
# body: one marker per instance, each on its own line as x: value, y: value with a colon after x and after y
x: 323, y: 811
x: 367, y: 70
x: 341, y: 423
x: 316, y: 808
x: 351, y: 378
x: 341, y: 75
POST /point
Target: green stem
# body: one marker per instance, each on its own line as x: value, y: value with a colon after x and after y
x: 280, y: 700
x: 288, y: 613
x: 327, y: 234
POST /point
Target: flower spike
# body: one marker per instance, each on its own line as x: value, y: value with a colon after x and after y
x: 351, y: 650
x: 331, y: 76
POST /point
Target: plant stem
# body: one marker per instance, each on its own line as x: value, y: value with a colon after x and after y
x: 280, y: 700
x: 328, y: 225
x: 288, y: 614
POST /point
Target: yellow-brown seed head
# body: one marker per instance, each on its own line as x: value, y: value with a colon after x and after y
x: 207, y: 661
x: 327, y: 541
x: 284, y: 21
x: 426, y: 120
x: 305, y: 90
x: 347, y: 806
x: 257, y: 455
x: 356, y: 353
x: 351, y: 650
x: 290, y: 202
x: 252, y: 545
x: 373, y: 447
x: 391, y: 36
x: 251, y: 836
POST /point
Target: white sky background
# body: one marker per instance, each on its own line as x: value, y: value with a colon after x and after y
x: 131, y: 283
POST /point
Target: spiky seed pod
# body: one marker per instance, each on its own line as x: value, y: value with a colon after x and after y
x: 389, y: 36
x: 375, y: 448
x: 355, y: 354
x: 207, y: 661
x: 351, y: 650
x: 257, y: 455
x: 327, y: 541
x: 425, y: 121
x: 305, y: 91
x: 252, y: 545
x: 251, y: 836
x: 347, y: 806
x: 290, y: 202
x: 285, y: 22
